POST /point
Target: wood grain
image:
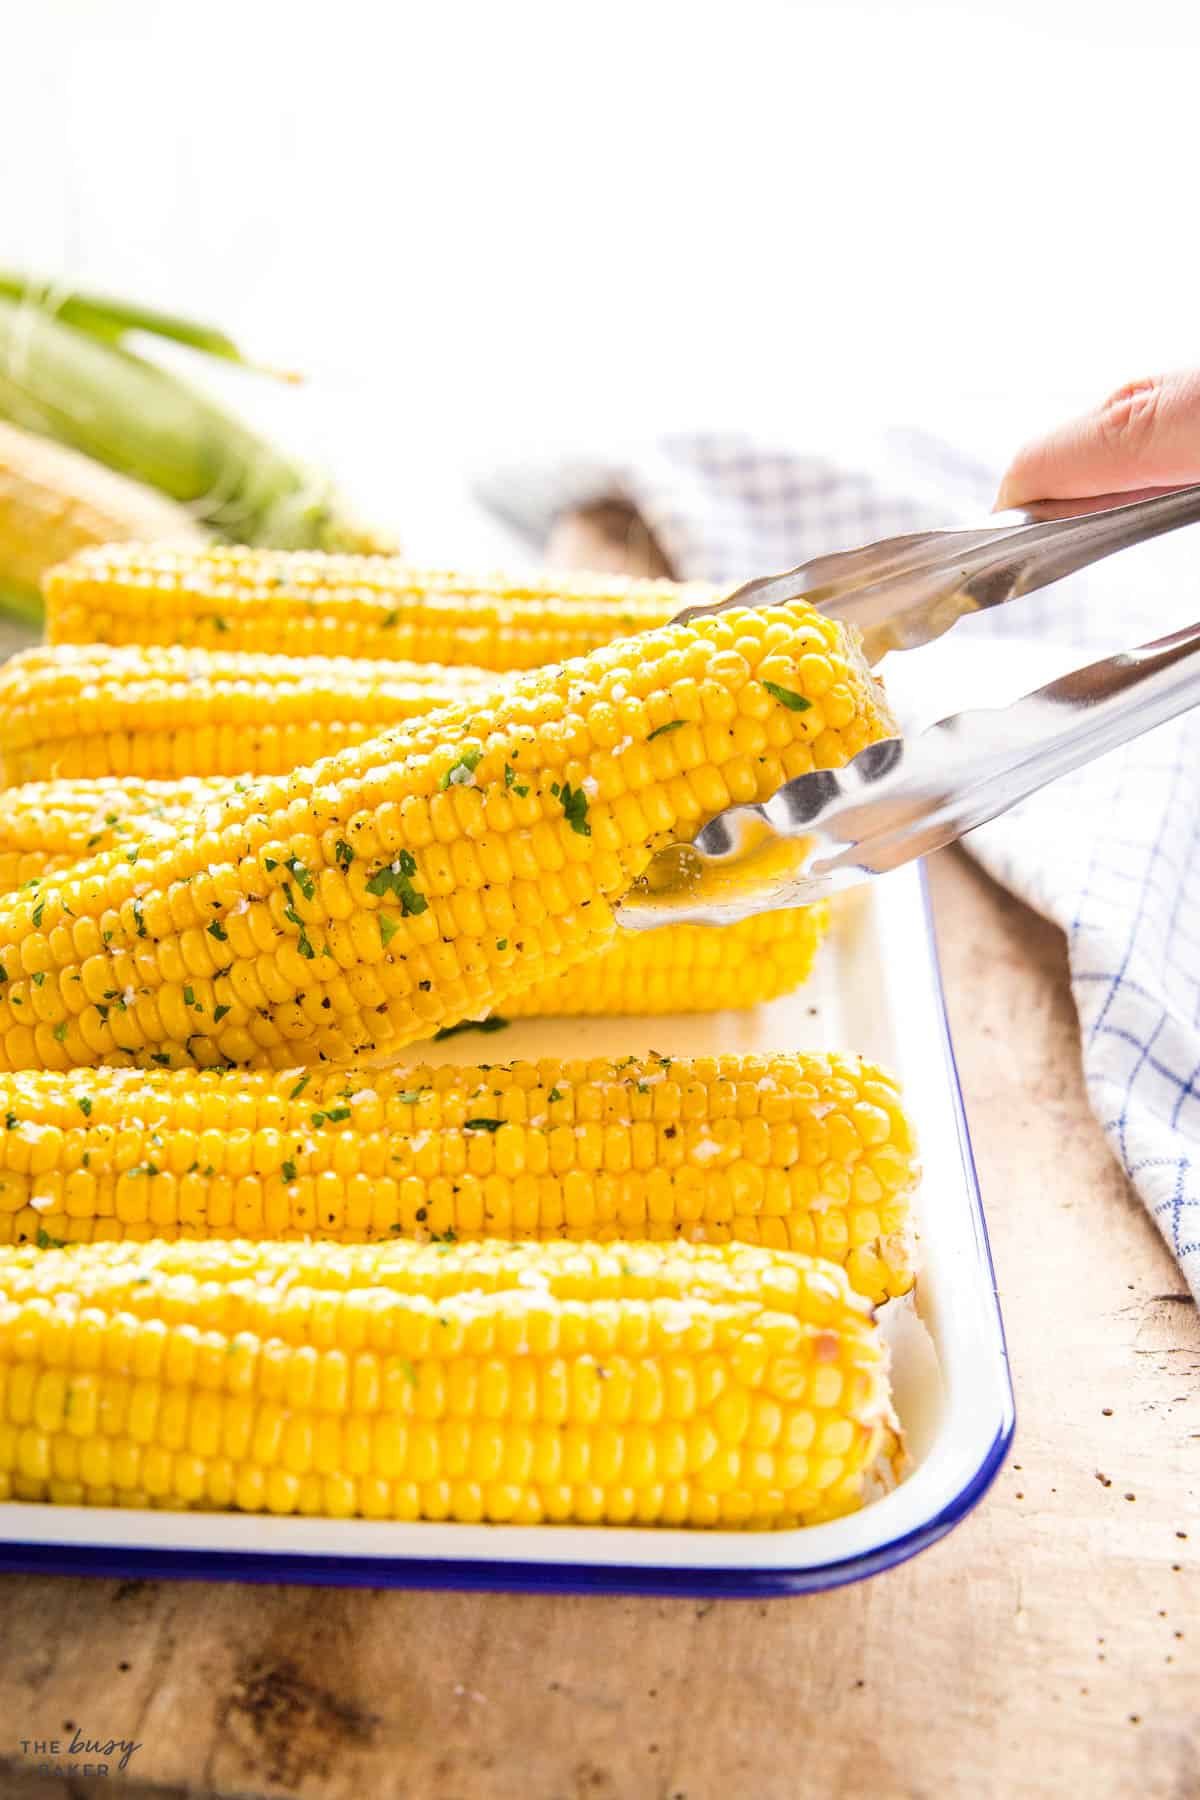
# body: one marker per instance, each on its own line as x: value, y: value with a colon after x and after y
x: 1049, y: 1646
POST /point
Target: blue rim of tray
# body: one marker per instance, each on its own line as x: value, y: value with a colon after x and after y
x: 129, y: 1562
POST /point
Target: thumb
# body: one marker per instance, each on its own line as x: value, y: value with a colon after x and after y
x: 1147, y: 434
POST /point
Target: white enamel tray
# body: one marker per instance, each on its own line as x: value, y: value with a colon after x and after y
x: 877, y: 991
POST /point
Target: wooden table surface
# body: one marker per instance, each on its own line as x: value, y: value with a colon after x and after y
x: 1050, y: 1645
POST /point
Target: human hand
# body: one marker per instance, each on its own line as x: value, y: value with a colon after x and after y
x: 1147, y: 434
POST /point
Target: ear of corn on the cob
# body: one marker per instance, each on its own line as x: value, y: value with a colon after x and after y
x: 376, y: 606
x: 93, y: 712
x: 421, y: 878
x: 527, y: 1384
x: 810, y: 1153
x: 46, y: 827
x: 82, y: 389
x: 685, y: 968
x: 54, y: 502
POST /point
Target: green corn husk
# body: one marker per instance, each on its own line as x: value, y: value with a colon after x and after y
x: 65, y: 375
x: 104, y: 317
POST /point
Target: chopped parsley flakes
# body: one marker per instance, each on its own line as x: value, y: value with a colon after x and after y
x: 575, y: 806
x: 487, y: 1025
x: 397, y: 878
x: 787, y: 697
x: 293, y: 917
x: 334, y: 1116
x: 459, y: 773
x: 304, y: 880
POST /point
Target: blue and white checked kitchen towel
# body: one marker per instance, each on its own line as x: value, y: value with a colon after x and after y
x: 1112, y: 853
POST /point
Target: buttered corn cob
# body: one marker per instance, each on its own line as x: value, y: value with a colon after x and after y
x: 372, y: 606
x: 91, y: 711
x: 810, y: 1153
x: 521, y: 1383
x: 46, y: 826
x: 422, y: 878
x: 686, y: 968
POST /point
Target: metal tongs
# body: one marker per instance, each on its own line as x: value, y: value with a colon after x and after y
x: 898, y: 800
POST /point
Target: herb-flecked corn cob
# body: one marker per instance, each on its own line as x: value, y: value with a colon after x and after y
x: 372, y: 606
x: 47, y: 826
x: 522, y: 1383
x: 92, y: 711
x: 421, y: 878
x: 800, y: 1152
x: 53, y: 502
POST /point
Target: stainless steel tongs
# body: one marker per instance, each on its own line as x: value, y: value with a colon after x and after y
x: 899, y: 799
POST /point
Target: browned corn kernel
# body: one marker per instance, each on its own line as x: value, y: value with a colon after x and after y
x: 375, y: 606
x: 521, y: 1383
x: 809, y: 1153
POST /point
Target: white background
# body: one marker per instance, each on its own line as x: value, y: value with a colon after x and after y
x: 490, y: 229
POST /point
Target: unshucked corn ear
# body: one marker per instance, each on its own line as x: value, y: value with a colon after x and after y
x: 90, y: 711
x: 74, y: 383
x: 521, y: 1383
x: 349, y: 606
x: 53, y: 502
x: 419, y: 879
x: 810, y: 1153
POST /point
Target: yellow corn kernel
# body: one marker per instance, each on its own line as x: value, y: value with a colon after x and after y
x: 347, y: 910
x: 508, y: 1433
x: 95, y: 712
x: 302, y: 603
x: 647, y: 1147
x: 686, y: 968
x: 46, y: 826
